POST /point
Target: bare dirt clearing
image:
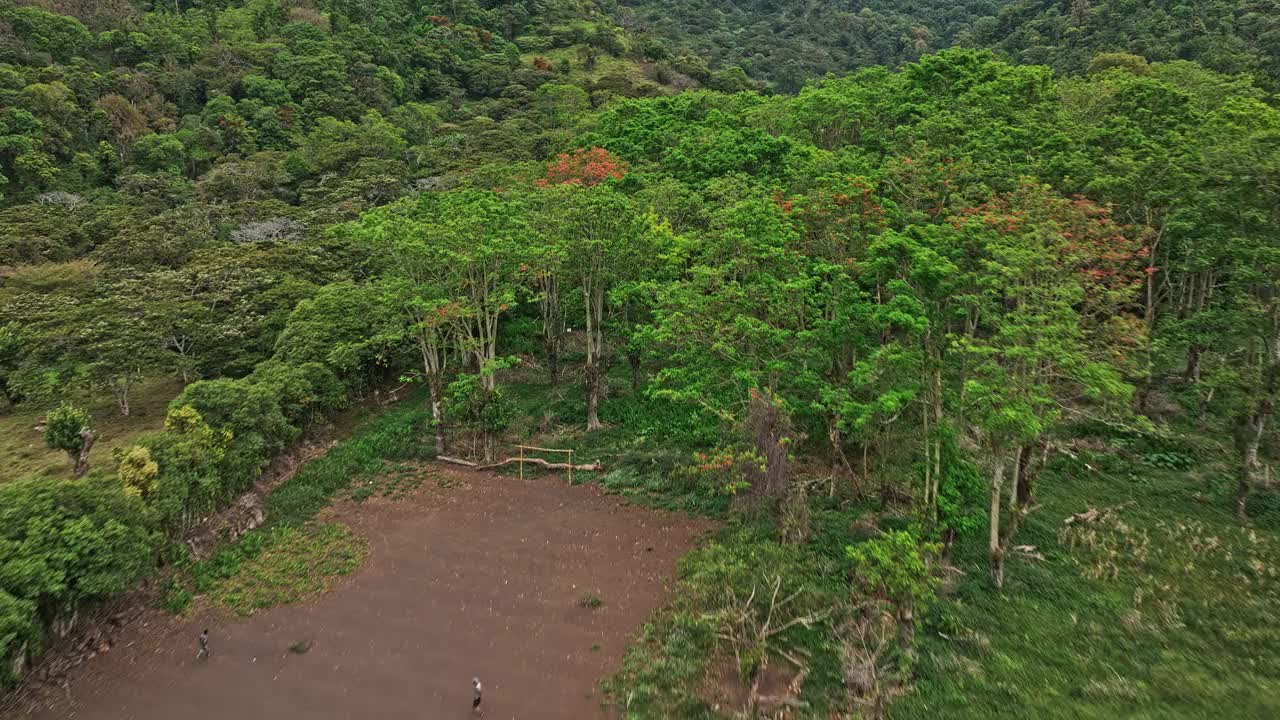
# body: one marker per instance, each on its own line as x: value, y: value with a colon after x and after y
x: 470, y: 574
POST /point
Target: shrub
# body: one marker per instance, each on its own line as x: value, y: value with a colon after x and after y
x: 18, y: 634
x: 69, y: 429
x: 63, y: 542
x: 137, y: 471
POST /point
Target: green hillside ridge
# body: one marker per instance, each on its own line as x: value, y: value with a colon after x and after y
x: 784, y: 43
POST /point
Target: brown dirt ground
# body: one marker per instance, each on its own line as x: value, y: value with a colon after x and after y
x: 479, y: 575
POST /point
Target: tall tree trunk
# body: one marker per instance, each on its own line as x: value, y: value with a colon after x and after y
x: 1027, y: 471
x: 552, y: 325
x: 1254, y: 424
x: 592, y: 376
x: 770, y: 431
x: 633, y: 359
x: 907, y: 628
x: 997, y: 550
x: 435, y: 359
x: 489, y: 381
x: 437, y: 412
x: 1191, y: 373
x: 87, y: 439
x: 552, y: 349
x: 1142, y: 395
x: 929, y: 500
x: 1020, y: 491
x: 937, y: 409
x: 1251, y: 439
x: 837, y: 452
x: 948, y: 540
x: 120, y: 391
x: 1018, y: 458
x: 593, y: 294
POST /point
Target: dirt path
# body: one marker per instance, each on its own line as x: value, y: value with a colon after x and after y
x: 481, y: 575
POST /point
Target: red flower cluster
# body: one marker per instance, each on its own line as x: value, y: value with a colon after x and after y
x: 584, y: 168
x: 856, y: 209
x: 1099, y: 248
x: 722, y: 460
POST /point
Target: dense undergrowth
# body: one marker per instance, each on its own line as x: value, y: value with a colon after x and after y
x: 647, y: 448
x: 1160, y: 605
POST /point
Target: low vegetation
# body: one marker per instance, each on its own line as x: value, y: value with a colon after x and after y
x: 24, y: 451
x: 294, y: 563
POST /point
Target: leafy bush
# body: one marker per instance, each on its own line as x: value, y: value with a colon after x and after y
x: 65, y: 430
x: 19, y: 631
x: 962, y: 495
x: 664, y: 673
x: 176, y: 597
x: 63, y: 426
x: 62, y: 543
x: 1169, y: 460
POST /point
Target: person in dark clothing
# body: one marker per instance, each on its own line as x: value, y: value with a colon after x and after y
x: 475, y: 694
x: 204, y: 645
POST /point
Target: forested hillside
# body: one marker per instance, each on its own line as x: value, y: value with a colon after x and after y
x: 783, y: 43
x: 892, y: 329
x: 173, y: 160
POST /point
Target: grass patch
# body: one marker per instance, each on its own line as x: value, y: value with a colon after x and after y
x: 176, y: 597
x: 1165, y: 607
x: 297, y: 563
x: 24, y: 454
x: 398, y: 435
x: 394, y: 484
x: 590, y: 601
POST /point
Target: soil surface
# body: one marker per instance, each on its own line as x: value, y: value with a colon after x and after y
x: 472, y: 574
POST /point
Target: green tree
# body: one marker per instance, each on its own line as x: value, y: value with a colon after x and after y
x: 68, y: 541
x: 70, y: 429
x: 138, y: 472
x: 476, y: 239
x: 486, y: 409
x: 895, y: 568
x: 1041, y: 338
x: 602, y: 241
x: 737, y: 323
x: 1240, y: 316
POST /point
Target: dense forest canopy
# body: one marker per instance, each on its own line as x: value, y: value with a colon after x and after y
x: 928, y: 273
x: 784, y: 43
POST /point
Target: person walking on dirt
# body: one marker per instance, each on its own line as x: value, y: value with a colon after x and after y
x: 204, y: 645
x: 475, y: 694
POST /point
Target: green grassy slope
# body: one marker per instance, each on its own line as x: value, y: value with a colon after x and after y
x: 1163, y: 608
